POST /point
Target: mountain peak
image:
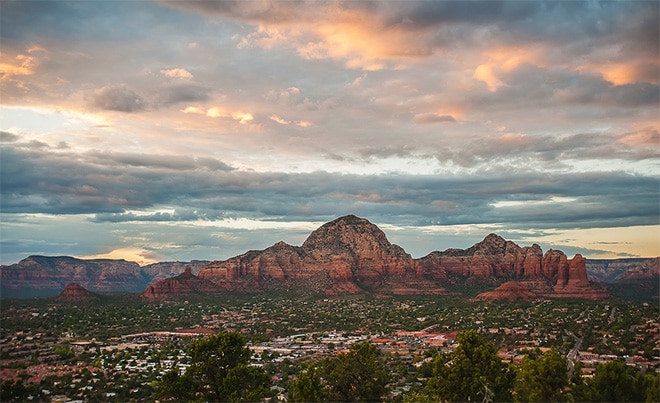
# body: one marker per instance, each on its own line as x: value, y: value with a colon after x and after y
x: 346, y: 233
x: 492, y: 244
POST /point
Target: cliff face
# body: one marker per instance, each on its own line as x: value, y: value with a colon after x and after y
x: 183, y: 285
x: 48, y: 275
x: 649, y: 269
x: 491, y: 259
x: 347, y: 255
x: 41, y: 275
x: 350, y: 255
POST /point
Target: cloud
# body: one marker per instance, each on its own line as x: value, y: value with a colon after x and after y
x: 41, y: 181
x: 221, y: 112
x: 301, y: 123
x: 433, y: 118
x: 179, y: 73
x: 7, y: 137
x: 118, y: 98
x: 279, y: 120
x: 176, y: 94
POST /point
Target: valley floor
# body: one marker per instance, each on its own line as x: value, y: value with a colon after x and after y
x: 118, y: 349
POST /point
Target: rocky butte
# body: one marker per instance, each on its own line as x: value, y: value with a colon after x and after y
x: 352, y: 255
x: 77, y: 293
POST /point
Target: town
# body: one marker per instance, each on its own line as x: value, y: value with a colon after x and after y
x: 118, y: 349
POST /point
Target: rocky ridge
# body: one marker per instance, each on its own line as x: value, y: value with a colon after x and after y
x: 352, y: 255
x: 48, y: 275
x: 184, y: 285
x: 346, y: 255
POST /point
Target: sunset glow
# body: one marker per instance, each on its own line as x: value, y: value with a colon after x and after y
x: 172, y: 130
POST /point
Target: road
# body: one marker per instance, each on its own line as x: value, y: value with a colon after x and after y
x: 573, y: 354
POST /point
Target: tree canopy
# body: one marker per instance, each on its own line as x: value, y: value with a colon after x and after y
x: 473, y: 373
x: 541, y: 378
x: 218, y: 372
x: 359, y: 375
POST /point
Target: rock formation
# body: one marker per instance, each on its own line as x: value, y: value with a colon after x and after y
x: 649, y: 269
x: 559, y: 279
x: 346, y: 255
x: 509, y: 291
x: 42, y: 275
x: 183, y: 285
x: 76, y: 293
x: 48, y: 275
x: 609, y: 270
x: 494, y: 258
x: 351, y: 255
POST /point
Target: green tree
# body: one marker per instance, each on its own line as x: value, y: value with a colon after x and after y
x: 357, y: 376
x: 649, y: 387
x: 176, y: 387
x: 218, y: 372
x: 579, y: 390
x: 613, y: 382
x: 541, y: 378
x: 309, y: 387
x: 474, y: 372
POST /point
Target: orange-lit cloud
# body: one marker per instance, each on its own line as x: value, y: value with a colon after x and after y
x: 23, y: 64
x: 504, y: 60
x: 625, y: 73
x: 645, y: 137
x: 282, y: 121
x: 177, y: 73
x: 129, y: 253
x: 220, y: 112
x: 352, y: 36
x: 514, y: 139
x: 279, y: 120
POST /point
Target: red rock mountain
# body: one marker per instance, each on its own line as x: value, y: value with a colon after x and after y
x: 48, y: 275
x: 649, y: 269
x: 352, y: 255
x: 76, y: 293
x: 183, y: 285
x: 346, y: 255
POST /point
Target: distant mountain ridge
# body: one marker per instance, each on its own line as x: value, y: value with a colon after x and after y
x: 48, y: 275
x: 346, y: 255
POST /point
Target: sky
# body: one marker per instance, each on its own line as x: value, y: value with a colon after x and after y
x: 172, y: 130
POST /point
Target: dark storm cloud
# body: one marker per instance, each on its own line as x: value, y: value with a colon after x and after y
x: 182, y: 93
x: 475, y: 12
x: 118, y: 98
x: 7, y: 137
x: 39, y: 181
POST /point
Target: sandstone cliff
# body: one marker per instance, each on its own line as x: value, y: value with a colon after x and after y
x: 76, y: 293
x: 42, y: 275
x: 183, y: 285
x: 351, y: 255
x: 48, y: 275
x: 347, y: 255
